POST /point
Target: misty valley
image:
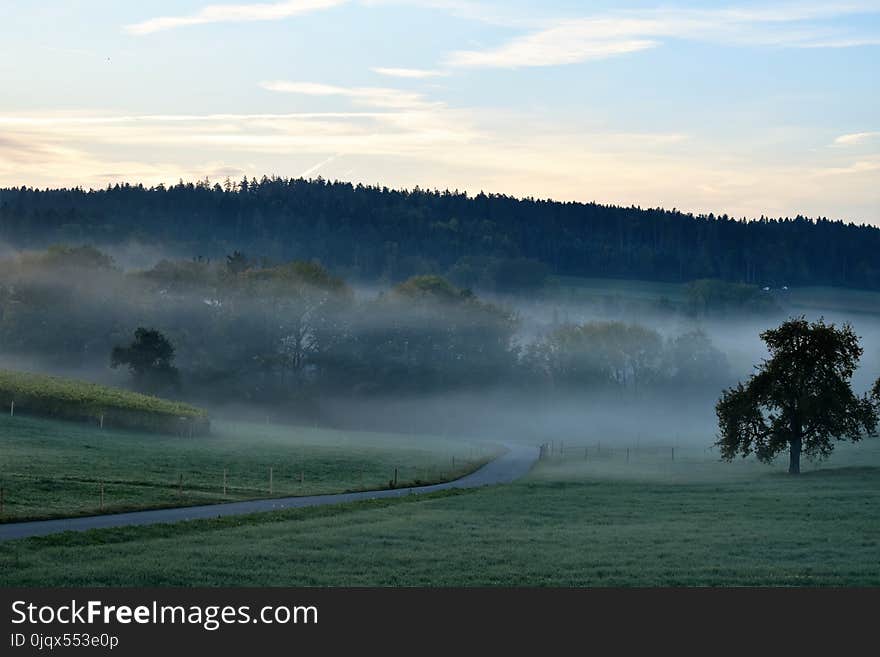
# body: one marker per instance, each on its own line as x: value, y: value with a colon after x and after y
x: 137, y: 378
x: 312, y: 308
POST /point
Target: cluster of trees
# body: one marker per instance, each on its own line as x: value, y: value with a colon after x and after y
x: 493, y: 241
x: 720, y: 298
x: 625, y: 356
x: 234, y: 328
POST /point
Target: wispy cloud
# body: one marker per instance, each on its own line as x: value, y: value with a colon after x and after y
x: 856, y: 138
x: 74, y: 120
x: 485, y: 12
x: 554, y: 47
x: 498, y: 12
x: 233, y: 14
x: 856, y: 168
x: 320, y: 165
x: 411, y: 73
x: 573, y: 40
x: 380, y: 97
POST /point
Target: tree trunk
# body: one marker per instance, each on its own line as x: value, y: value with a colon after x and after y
x: 794, y: 458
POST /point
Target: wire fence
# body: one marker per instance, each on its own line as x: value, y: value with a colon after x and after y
x: 560, y: 450
x: 26, y: 496
x: 845, y: 454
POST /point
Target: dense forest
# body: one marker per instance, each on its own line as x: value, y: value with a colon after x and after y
x: 493, y: 242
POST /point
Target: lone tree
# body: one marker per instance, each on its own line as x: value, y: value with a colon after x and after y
x: 149, y: 358
x: 800, y: 398
x: 237, y: 263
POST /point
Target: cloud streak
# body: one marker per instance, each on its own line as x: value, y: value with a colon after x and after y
x: 308, y: 173
x: 379, y: 97
x: 410, y: 73
x: 856, y: 138
x: 233, y: 14
x: 583, y: 39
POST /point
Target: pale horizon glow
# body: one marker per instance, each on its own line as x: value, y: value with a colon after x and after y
x: 746, y: 109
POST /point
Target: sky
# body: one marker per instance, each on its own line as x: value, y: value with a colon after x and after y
x: 747, y: 109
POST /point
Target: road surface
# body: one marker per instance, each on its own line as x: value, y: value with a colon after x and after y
x: 513, y: 464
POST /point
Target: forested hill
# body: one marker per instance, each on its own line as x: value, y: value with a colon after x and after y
x: 371, y: 232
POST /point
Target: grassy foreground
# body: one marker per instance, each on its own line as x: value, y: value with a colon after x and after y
x: 564, y: 525
x: 51, y: 469
x: 58, y: 397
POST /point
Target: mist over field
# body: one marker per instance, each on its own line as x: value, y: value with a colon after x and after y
x: 578, y: 361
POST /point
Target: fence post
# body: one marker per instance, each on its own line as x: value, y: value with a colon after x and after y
x: 102, y: 496
x: 270, y: 481
x: 627, y: 454
x: 2, y: 495
x: 301, y: 477
x: 180, y: 485
x: 224, y: 482
x: 101, y: 421
x: 12, y: 409
x: 395, y: 477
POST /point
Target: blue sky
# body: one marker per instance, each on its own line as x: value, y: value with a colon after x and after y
x: 744, y: 108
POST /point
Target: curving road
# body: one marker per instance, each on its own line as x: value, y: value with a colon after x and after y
x: 513, y: 464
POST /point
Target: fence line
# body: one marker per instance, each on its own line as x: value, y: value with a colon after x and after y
x: 104, y: 494
x: 561, y: 450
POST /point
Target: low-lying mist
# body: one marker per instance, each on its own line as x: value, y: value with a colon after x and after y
x: 630, y: 364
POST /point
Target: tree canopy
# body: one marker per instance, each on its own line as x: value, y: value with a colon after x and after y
x: 150, y: 358
x: 800, y: 398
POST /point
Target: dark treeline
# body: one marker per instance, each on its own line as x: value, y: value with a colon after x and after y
x: 485, y: 241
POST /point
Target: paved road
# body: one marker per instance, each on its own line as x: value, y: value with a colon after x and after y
x: 513, y: 464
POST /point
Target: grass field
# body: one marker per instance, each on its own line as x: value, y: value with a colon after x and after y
x: 58, y: 397
x: 574, y: 521
x: 575, y: 288
x: 824, y: 299
x: 52, y: 468
x: 809, y: 300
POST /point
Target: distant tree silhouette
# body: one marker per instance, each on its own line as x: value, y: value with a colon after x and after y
x: 149, y: 358
x: 237, y: 263
x: 800, y: 398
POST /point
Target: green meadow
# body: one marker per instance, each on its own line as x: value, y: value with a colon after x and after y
x: 55, y: 469
x: 575, y: 521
